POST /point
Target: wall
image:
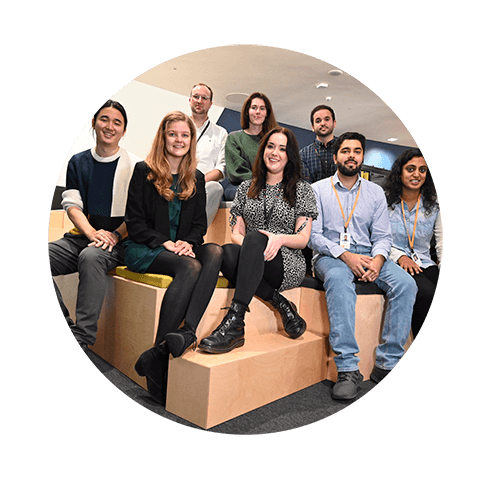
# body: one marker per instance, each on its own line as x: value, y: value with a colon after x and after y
x: 147, y: 105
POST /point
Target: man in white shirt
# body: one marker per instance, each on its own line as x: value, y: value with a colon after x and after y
x: 210, y: 147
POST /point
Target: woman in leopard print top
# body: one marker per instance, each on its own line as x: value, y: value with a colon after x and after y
x: 271, y: 220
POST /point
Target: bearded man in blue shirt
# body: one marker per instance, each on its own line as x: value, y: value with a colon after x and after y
x: 351, y: 239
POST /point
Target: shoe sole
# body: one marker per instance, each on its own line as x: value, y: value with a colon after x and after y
x: 175, y: 344
x: 209, y: 349
x: 335, y: 397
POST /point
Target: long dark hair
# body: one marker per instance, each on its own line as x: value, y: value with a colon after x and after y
x: 394, y: 185
x: 291, y: 175
x: 269, y: 121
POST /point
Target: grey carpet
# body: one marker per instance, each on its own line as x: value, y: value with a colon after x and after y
x: 301, y: 408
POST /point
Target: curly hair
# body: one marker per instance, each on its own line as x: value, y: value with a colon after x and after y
x: 394, y: 185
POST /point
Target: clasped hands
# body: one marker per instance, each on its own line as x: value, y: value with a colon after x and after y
x: 103, y: 239
x: 366, y: 268
x: 180, y: 247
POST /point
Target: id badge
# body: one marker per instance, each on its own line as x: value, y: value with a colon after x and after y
x: 416, y: 258
x: 345, y: 240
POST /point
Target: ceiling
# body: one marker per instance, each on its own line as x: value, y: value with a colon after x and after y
x: 289, y: 79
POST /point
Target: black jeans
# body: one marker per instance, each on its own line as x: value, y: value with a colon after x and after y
x: 244, y: 267
x: 194, y: 281
x: 427, y: 283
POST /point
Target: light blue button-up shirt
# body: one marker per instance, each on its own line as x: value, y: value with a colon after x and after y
x: 427, y: 227
x: 369, y: 227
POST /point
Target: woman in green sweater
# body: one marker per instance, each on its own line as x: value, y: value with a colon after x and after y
x: 257, y: 119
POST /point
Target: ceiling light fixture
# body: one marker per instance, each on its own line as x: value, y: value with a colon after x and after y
x: 237, y: 97
x: 322, y: 85
x: 392, y: 139
x: 335, y: 72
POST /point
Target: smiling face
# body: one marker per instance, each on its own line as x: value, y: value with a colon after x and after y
x: 414, y: 174
x: 109, y: 127
x: 275, y: 154
x: 177, y: 140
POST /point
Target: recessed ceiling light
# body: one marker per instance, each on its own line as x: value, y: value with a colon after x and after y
x: 335, y: 73
x: 392, y: 139
x: 237, y: 97
x: 322, y: 85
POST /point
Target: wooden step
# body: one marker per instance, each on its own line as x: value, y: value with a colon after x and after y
x: 208, y: 389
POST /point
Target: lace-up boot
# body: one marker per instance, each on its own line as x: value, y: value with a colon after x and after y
x: 229, y: 334
x: 293, y: 323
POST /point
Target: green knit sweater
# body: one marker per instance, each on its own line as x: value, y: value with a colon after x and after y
x: 240, y: 152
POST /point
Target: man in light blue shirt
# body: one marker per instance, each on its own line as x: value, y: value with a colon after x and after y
x: 351, y: 239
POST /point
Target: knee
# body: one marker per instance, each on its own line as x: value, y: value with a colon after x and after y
x: 214, y: 252
x: 336, y: 278
x: 214, y: 249
x: 404, y: 286
x: 334, y: 274
x: 91, y: 257
x: 255, y: 238
x: 214, y: 191
x: 194, y: 267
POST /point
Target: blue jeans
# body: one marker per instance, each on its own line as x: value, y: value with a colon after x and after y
x: 341, y: 297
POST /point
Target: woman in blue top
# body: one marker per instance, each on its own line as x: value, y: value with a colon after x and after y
x: 415, y: 219
x: 166, y: 222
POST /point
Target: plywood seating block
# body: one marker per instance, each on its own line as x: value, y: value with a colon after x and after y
x: 208, y: 389
x: 369, y: 311
x: 129, y: 319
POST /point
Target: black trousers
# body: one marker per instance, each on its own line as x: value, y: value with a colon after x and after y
x: 245, y: 268
x: 194, y: 281
x: 427, y: 283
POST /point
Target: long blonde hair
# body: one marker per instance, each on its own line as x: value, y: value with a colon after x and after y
x: 157, y: 161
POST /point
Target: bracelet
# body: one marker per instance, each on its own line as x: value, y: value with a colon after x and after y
x: 119, y: 235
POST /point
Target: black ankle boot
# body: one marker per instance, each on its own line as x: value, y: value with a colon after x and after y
x: 153, y: 364
x: 229, y: 334
x: 293, y: 323
x: 180, y: 340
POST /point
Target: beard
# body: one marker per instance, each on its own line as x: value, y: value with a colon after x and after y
x: 349, y: 172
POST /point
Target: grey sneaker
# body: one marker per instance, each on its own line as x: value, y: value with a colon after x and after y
x: 378, y: 374
x: 347, y: 385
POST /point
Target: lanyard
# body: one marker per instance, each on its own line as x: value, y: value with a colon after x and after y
x: 346, y: 223
x: 268, y: 215
x: 411, y: 240
x: 203, y: 131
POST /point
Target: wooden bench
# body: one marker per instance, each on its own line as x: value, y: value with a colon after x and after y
x: 209, y: 389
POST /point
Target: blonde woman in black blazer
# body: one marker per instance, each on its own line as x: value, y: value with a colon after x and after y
x: 166, y: 222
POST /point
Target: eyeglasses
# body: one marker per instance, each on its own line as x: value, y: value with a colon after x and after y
x: 200, y: 97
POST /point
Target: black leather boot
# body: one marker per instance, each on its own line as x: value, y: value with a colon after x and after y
x: 153, y: 364
x: 229, y: 334
x: 293, y: 323
x: 180, y: 340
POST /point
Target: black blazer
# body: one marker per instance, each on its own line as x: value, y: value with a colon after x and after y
x: 147, y: 217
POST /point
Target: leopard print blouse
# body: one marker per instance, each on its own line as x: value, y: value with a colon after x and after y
x: 272, y: 213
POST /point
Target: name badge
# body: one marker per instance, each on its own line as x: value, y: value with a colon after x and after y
x: 345, y: 240
x: 416, y: 258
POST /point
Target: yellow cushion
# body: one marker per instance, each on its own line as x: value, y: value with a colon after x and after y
x: 156, y: 280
